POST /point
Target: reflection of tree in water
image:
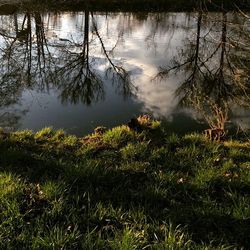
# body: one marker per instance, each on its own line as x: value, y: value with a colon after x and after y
x: 30, y: 60
x: 216, y: 75
x: 25, y: 62
x: 10, y: 95
x: 81, y: 82
x: 24, y: 53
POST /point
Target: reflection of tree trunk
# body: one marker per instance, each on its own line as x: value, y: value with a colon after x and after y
x: 16, y: 24
x: 86, y: 40
x: 223, y: 41
x: 222, y: 85
x: 29, y: 46
x: 40, y: 38
x: 82, y: 84
x: 193, y: 80
x: 197, y: 45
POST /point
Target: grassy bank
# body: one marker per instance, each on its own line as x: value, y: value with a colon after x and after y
x: 122, y: 189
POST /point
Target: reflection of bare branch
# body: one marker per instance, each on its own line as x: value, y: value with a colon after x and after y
x: 191, y: 62
x: 80, y: 83
x: 121, y: 72
x: 216, y: 79
x: 242, y: 13
x: 120, y: 36
x: 28, y: 53
x: 7, y: 36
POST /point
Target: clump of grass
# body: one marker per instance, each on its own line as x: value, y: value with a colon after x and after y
x: 9, y: 185
x: 45, y: 133
x: 70, y: 141
x: 22, y: 136
x: 134, y: 151
x: 119, y: 136
x: 128, y: 240
x: 57, y: 238
x: 173, y: 238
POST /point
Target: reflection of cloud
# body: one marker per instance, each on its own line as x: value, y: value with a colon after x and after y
x: 134, y: 53
x: 241, y: 118
x: 158, y: 96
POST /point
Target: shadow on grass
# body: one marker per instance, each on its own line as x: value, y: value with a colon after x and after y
x: 213, y: 210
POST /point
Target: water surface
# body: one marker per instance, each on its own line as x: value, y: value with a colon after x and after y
x: 78, y: 70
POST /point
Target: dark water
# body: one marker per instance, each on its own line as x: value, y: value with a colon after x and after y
x: 78, y: 70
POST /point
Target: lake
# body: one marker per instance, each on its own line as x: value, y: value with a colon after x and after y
x: 77, y: 70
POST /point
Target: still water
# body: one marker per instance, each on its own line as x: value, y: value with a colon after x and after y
x: 78, y: 70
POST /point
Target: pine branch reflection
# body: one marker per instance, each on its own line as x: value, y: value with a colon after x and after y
x: 215, y: 67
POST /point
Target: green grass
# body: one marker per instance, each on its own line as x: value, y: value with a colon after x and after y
x: 122, y: 189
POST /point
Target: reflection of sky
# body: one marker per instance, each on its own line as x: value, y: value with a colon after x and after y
x: 140, y: 46
x: 241, y: 118
x: 157, y: 97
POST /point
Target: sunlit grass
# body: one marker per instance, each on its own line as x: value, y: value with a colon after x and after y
x: 122, y: 189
